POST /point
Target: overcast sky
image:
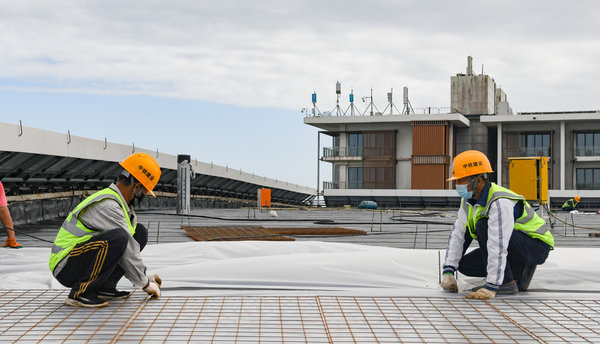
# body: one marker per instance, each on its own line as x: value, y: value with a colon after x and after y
x: 225, y: 80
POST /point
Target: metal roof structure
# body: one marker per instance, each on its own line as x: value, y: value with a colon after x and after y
x: 34, y: 161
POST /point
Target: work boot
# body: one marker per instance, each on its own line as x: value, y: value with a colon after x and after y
x: 89, y: 300
x: 508, y: 288
x: 12, y: 243
x: 112, y: 294
x: 528, y: 272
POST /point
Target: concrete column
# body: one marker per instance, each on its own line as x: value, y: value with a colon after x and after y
x: 343, y: 175
x: 319, y: 162
x: 344, y: 143
x: 562, y: 155
x: 499, y: 155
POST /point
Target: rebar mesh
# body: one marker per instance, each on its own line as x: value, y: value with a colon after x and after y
x: 31, y: 316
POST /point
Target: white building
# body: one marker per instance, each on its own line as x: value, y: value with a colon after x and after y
x: 404, y: 159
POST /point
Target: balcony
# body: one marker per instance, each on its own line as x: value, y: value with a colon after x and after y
x: 342, y: 153
x: 358, y: 185
x: 342, y: 185
x: 334, y: 185
x: 587, y: 153
x: 526, y: 152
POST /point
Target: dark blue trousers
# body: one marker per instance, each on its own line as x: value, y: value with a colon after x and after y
x: 523, y: 251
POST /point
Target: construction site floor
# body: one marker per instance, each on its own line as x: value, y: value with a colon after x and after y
x: 32, y: 316
x: 426, y: 229
x: 562, y: 307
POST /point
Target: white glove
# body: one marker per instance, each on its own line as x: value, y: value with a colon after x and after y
x: 152, y: 289
x: 152, y: 277
x: 449, y: 283
x: 481, y: 294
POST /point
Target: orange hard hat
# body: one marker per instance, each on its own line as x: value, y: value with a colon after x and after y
x: 144, y: 169
x: 470, y: 163
x: 577, y: 198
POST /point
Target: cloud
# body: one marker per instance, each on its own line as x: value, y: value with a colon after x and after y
x: 275, y: 53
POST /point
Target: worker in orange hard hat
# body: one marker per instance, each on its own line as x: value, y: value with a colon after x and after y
x: 571, y: 204
x: 512, y: 238
x: 100, y: 240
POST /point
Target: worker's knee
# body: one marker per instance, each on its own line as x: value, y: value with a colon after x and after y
x: 471, y: 264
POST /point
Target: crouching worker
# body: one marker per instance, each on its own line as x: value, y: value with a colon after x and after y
x: 100, y: 240
x: 571, y: 204
x: 512, y: 238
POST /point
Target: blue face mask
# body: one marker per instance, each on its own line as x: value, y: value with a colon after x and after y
x: 462, y: 191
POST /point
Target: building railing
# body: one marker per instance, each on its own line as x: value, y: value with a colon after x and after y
x: 334, y: 185
x: 587, y: 151
x: 522, y: 152
x: 332, y: 152
x: 432, y: 110
x: 359, y: 185
x: 416, y: 111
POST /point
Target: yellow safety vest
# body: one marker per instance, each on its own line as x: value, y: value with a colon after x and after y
x: 73, y: 231
x: 570, y: 203
x: 528, y: 222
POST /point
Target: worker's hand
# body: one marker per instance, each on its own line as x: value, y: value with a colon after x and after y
x: 152, y: 289
x: 449, y: 283
x: 152, y: 277
x: 481, y: 294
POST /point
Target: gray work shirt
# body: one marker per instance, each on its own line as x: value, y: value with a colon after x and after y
x: 107, y: 215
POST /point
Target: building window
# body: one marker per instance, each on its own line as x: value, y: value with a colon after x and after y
x: 355, y: 177
x: 588, y: 179
x: 355, y: 144
x: 535, y: 144
x: 587, y: 144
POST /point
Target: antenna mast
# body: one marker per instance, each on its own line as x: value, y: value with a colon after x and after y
x: 371, y: 104
x: 315, y: 109
x: 351, y: 107
x: 338, y: 92
x: 391, y: 103
x: 408, y: 109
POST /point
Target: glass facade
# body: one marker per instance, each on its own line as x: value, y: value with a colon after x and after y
x: 535, y: 144
x: 587, y: 144
x: 588, y: 178
x: 355, y: 144
x: 355, y: 177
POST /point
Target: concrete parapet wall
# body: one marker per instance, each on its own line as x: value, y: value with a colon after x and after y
x: 40, y: 210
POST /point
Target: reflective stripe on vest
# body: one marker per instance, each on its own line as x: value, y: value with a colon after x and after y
x: 529, y: 222
x: 570, y: 203
x: 73, y: 231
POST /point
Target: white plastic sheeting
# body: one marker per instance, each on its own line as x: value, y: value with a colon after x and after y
x: 303, y: 268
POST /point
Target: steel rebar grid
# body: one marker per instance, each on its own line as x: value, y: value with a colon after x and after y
x: 31, y: 316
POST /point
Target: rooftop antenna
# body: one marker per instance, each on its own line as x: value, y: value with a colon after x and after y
x: 315, y: 109
x: 352, y: 107
x: 390, y: 102
x: 338, y: 92
x: 408, y: 109
x: 371, y: 104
